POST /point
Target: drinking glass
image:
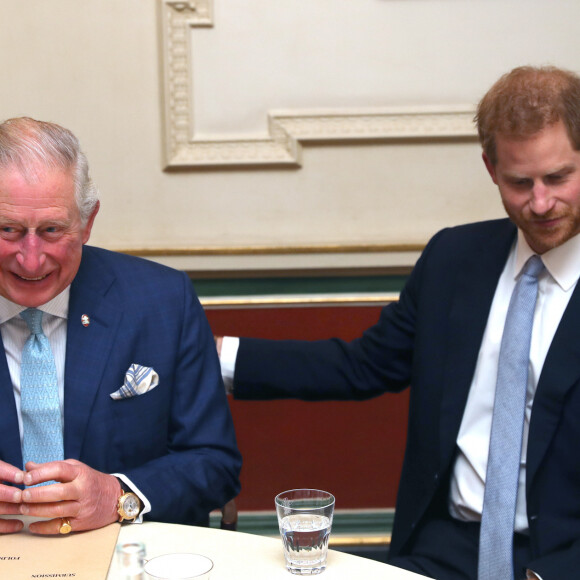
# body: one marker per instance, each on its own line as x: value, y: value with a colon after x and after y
x: 305, y: 520
x: 178, y: 567
x: 131, y: 558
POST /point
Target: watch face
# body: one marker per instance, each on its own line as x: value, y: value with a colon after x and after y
x: 131, y: 506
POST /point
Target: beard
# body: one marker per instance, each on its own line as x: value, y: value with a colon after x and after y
x: 541, y: 234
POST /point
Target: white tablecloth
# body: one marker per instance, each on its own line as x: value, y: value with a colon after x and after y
x: 241, y: 556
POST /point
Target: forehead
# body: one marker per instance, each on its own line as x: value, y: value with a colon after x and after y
x: 548, y: 150
x: 23, y: 195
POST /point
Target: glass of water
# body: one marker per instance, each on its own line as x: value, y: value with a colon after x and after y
x: 131, y: 559
x: 305, y: 520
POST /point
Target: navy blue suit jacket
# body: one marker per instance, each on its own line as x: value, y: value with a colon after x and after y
x: 176, y: 442
x: 430, y: 340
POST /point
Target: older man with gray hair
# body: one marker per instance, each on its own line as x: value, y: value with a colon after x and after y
x: 111, y: 401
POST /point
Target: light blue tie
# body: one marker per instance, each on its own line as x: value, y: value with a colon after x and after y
x: 505, y: 448
x: 40, y: 407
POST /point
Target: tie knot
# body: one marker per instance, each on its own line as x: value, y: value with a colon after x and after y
x: 533, y: 267
x: 33, y: 318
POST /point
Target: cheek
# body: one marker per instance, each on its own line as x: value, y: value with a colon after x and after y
x: 512, y: 203
x: 572, y: 198
x: 67, y: 255
x: 5, y: 253
x: 8, y: 253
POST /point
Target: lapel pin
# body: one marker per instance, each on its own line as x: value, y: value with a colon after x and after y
x: 85, y: 320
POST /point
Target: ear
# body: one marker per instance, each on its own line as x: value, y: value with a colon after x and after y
x: 89, y: 225
x: 490, y: 167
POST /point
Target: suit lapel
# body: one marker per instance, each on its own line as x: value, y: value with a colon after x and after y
x: 560, y: 372
x: 473, y: 295
x: 88, y: 347
x: 10, y: 450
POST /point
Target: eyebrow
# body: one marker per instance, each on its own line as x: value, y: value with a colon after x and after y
x: 6, y: 221
x: 565, y: 169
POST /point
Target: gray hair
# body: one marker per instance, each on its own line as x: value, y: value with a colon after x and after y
x: 26, y: 142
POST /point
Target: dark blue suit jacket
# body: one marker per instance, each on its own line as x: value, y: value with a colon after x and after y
x: 177, y: 441
x: 429, y: 341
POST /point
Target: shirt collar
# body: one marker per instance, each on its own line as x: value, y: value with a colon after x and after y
x: 562, y: 262
x: 58, y: 306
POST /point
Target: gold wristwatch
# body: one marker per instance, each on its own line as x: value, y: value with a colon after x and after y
x: 128, y: 505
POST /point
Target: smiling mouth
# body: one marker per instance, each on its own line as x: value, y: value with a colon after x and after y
x: 547, y: 222
x: 35, y: 279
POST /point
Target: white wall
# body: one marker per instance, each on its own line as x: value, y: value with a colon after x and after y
x: 95, y: 66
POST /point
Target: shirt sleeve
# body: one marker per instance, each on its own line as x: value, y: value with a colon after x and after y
x: 230, y: 345
x: 146, y: 505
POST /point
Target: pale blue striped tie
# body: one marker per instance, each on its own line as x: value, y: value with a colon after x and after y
x: 40, y: 407
x: 503, y: 467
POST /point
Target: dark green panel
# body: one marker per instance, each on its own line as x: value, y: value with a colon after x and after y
x: 208, y: 287
x: 353, y: 523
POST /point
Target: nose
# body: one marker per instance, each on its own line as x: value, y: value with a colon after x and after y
x: 541, y: 200
x: 30, y: 254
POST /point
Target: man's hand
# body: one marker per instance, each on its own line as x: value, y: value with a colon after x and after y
x: 86, y: 497
x: 218, y: 344
x: 10, y: 497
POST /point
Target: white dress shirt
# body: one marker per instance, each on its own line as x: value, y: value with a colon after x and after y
x: 555, y: 287
x: 228, y: 354
x: 15, y: 332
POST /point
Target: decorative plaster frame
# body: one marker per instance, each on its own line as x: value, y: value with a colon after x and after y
x: 287, y: 129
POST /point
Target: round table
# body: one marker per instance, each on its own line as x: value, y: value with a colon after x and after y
x: 245, y: 556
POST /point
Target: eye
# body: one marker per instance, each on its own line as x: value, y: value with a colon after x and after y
x: 8, y: 232
x: 51, y: 233
x: 521, y: 183
x: 556, y: 178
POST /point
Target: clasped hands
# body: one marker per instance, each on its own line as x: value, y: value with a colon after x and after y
x: 86, y: 497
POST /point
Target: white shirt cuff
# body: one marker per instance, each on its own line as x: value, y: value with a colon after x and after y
x: 146, y: 505
x: 230, y: 345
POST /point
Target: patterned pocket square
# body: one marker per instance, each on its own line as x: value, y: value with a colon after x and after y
x: 138, y: 381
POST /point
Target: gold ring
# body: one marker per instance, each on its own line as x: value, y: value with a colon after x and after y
x: 65, y: 527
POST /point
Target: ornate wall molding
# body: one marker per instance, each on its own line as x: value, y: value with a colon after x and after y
x: 273, y: 250
x: 287, y: 129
